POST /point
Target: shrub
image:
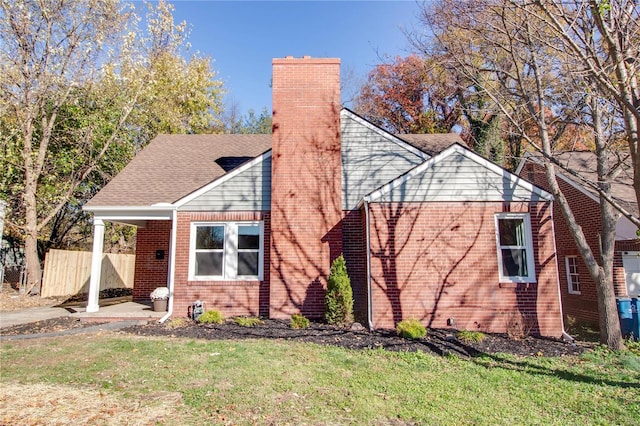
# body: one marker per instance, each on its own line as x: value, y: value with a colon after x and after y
x: 519, y: 325
x: 299, y: 321
x: 467, y: 336
x: 339, y: 297
x: 248, y: 321
x: 211, y: 317
x: 177, y: 322
x: 411, y: 329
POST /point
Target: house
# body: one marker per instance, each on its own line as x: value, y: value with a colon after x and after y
x: 577, y: 288
x: 250, y: 223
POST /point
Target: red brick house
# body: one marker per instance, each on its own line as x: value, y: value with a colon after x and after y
x: 250, y: 223
x: 578, y: 290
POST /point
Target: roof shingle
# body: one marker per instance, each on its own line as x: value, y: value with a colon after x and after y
x: 173, y: 166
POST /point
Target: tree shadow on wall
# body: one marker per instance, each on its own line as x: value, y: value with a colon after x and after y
x: 306, y: 215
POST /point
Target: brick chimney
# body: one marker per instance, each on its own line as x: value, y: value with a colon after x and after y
x: 306, y: 183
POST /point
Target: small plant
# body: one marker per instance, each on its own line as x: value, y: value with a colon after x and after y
x: 411, y: 329
x: 160, y: 293
x: 339, y: 297
x: 211, y: 317
x: 299, y: 321
x: 467, y: 336
x: 248, y: 321
x: 177, y: 322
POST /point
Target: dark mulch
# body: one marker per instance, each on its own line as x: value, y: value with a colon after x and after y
x: 47, y: 326
x: 438, y: 341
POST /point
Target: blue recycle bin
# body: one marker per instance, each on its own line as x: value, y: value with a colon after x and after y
x: 635, y: 318
x: 625, y: 315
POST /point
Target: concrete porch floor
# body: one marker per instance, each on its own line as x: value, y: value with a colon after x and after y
x: 116, y: 309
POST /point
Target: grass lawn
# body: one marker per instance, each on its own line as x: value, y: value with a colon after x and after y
x: 120, y: 379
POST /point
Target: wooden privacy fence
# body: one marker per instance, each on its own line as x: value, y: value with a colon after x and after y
x: 67, y: 273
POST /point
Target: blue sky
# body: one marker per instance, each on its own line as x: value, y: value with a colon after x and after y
x: 243, y: 36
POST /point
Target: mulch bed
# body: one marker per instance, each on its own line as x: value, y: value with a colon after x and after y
x: 438, y: 341
x: 47, y: 326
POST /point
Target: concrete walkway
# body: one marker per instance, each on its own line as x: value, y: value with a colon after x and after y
x: 25, y: 316
x: 125, y: 310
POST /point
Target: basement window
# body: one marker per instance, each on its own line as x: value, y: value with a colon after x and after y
x: 573, y: 277
x: 515, y: 247
x: 226, y: 251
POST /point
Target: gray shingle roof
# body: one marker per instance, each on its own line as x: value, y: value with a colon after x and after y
x: 173, y: 166
x: 584, y: 163
x: 432, y: 144
x: 622, y: 187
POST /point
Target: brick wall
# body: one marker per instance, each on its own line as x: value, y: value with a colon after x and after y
x: 438, y: 261
x: 619, y: 280
x: 306, y: 183
x: 584, y: 306
x: 355, y: 255
x: 149, y: 271
x: 231, y: 298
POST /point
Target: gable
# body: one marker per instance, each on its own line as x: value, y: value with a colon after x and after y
x: 584, y: 163
x: 371, y: 157
x: 458, y: 174
x: 247, y: 188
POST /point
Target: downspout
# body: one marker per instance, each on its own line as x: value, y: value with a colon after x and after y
x: 368, y: 240
x: 172, y: 263
x: 565, y: 335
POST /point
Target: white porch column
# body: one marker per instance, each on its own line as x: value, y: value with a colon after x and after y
x: 96, y: 265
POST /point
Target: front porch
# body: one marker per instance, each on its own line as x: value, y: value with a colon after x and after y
x: 118, y: 309
x: 154, y: 248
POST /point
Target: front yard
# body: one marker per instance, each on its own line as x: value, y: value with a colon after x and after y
x: 122, y: 379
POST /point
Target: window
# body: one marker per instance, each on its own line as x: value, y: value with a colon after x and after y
x: 226, y: 251
x: 515, y: 247
x: 573, y: 278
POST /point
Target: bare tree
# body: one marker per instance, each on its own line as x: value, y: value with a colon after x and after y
x: 517, y: 53
x: 79, y: 78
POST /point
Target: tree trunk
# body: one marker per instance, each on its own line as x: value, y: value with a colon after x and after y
x: 610, y: 333
x: 34, y: 272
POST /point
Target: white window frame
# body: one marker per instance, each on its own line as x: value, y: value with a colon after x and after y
x: 570, y: 281
x: 531, y: 277
x: 230, y: 253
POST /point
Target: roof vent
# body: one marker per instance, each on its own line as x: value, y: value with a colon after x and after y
x: 230, y: 163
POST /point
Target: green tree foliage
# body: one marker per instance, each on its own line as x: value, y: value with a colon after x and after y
x: 339, y: 296
x: 254, y: 124
x: 251, y: 123
x: 83, y: 88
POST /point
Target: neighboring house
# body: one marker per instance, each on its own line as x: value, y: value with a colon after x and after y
x: 579, y: 299
x: 249, y: 224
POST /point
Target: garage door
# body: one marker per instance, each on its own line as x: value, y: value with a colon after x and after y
x: 631, y: 263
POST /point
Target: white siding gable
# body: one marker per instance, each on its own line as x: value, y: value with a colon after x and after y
x: 371, y: 157
x: 458, y: 174
x: 247, y: 188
